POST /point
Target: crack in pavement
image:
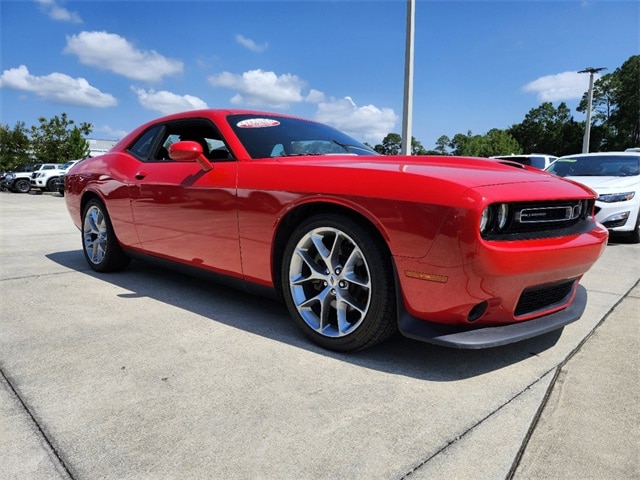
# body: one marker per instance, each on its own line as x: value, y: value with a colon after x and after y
x: 50, y: 449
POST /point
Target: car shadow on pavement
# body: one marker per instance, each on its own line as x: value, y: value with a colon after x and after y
x: 269, y: 318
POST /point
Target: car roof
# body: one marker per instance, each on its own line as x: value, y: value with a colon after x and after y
x: 602, y: 154
x: 516, y: 155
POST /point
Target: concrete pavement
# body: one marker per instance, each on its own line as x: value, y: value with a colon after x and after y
x: 589, y: 425
x: 147, y: 374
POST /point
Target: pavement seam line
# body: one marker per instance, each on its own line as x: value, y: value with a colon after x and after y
x: 545, y: 400
x: 48, y: 444
x: 474, y: 426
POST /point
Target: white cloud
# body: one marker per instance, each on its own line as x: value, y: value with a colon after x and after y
x: 315, y: 96
x: 260, y: 88
x: 58, y: 13
x: 368, y: 121
x: 558, y: 87
x: 112, y: 52
x: 57, y: 87
x: 108, y: 132
x: 167, y: 102
x: 250, y: 44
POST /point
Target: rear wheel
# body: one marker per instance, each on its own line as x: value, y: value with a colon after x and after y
x: 338, y: 283
x: 99, y: 243
x: 52, y: 185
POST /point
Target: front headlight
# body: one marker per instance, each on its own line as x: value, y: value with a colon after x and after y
x: 503, y: 216
x: 494, y: 218
x: 485, y: 220
x: 616, y: 197
x: 10, y: 176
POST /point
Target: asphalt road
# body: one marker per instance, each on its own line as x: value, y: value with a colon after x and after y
x: 149, y: 374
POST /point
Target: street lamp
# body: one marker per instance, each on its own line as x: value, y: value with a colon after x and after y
x: 587, y: 131
x: 407, y: 115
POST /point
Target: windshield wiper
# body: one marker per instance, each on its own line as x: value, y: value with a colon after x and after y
x: 314, y: 154
x: 347, y: 148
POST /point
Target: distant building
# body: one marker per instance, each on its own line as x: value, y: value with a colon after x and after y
x: 98, y: 147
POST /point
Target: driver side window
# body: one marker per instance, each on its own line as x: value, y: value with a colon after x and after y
x: 199, y: 131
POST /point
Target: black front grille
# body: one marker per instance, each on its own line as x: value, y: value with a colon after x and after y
x: 543, y: 297
x: 528, y: 220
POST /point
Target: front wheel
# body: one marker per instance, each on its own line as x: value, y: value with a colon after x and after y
x: 99, y: 243
x: 338, y: 283
x: 634, y: 236
x: 22, y: 186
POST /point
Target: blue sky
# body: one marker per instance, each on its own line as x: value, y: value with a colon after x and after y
x: 478, y: 64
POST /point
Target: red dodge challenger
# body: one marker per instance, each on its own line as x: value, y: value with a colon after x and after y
x: 462, y: 252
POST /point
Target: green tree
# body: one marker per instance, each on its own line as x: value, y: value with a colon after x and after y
x: 494, y: 142
x: 602, y: 134
x: 602, y: 101
x: 468, y: 145
x: 551, y: 130
x: 59, y: 139
x: 625, y: 117
x: 615, y: 108
x: 500, y: 142
x: 417, y: 148
x: 392, y: 145
x: 14, y: 146
x: 442, y: 145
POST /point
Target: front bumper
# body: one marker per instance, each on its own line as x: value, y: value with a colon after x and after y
x: 618, y: 216
x: 469, y: 337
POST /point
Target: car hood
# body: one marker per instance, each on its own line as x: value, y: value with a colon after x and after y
x: 601, y: 184
x: 464, y: 171
x: 426, y: 179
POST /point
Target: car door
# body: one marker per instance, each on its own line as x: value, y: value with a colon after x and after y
x: 180, y: 211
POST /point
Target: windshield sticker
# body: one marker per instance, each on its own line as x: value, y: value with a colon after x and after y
x: 258, y: 123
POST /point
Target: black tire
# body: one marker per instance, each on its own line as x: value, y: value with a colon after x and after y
x: 22, y: 185
x: 52, y: 185
x: 634, y: 237
x: 337, y: 282
x: 99, y: 243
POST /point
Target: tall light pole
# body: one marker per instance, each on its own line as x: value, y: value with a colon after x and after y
x: 407, y: 113
x: 587, y: 130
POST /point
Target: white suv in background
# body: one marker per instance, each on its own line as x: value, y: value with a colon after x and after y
x: 537, y: 160
x: 615, y: 177
x: 45, y: 177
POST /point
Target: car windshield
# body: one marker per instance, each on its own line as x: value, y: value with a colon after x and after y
x: 274, y: 136
x: 596, y: 166
x: 66, y: 165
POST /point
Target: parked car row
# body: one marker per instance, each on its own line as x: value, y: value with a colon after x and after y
x: 20, y: 181
x: 42, y: 176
